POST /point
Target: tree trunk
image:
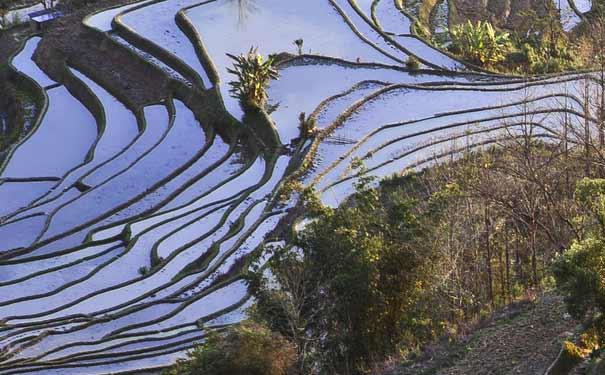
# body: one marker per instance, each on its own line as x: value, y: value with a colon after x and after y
x: 586, y: 128
x: 534, y: 260
x: 488, y: 260
x: 506, y: 252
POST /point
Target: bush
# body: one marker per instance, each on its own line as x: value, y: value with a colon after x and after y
x: 244, y: 349
x: 412, y: 63
x: 580, y: 273
x: 479, y: 43
x: 572, y: 351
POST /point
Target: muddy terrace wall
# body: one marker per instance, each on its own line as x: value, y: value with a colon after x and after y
x: 9, y: 112
x: 15, y: 88
x: 502, y: 13
x: 127, y: 76
x: 9, y: 105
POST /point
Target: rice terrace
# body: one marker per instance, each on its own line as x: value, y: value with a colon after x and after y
x: 154, y: 154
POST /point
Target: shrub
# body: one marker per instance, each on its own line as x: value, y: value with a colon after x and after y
x: 540, y: 59
x: 570, y: 357
x: 253, y: 74
x: 412, y: 63
x: 574, y: 352
x: 244, y: 349
x: 580, y: 273
x: 593, y: 338
x: 480, y: 43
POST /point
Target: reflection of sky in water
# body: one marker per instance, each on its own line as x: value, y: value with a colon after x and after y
x: 315, y: 21
x: 583, y: 5
x: 569, y: 18
x: 416, y: 123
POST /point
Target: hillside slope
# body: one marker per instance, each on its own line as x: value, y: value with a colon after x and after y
x: 524, y: 342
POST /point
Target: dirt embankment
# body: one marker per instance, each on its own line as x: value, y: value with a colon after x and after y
x: 68, y: 40
x: 523, y: 341
x: 526, y: 345
x: 9, y: 43
x: 502, y: 13
x: 11, y: 107
x: 130, y: 78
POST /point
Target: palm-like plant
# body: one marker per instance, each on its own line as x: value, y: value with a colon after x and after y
x: 253, y: 75
x: 479, y: 43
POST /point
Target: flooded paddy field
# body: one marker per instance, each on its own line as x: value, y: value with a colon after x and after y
x: 123, y: 230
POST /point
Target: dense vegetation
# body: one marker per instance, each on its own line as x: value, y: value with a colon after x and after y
x: 580, y: 271
x: 247, y: 349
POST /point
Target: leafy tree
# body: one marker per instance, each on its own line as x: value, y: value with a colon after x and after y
x: 253, y: 74
x: 590, y: 195
x: 580, y: 271
x: 244, y: 349
x: 580, y: 275
x: 350, y: 290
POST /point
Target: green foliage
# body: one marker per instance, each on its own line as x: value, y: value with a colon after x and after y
x: 412, y: 63
x: 593, y: 338
x: 143, y: 270
x: 580, y: 271
x: 479, y: 43
x: 307, y: 126
x: 590, y: 193
x: 245, y: 349
x: 573, y: 351
x: 541, y: 55
x: 580, y: 274
x: 543, y: 48
x: 253, y: 74
x: 353, y: 285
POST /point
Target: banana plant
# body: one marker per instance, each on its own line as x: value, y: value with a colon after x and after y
x: 480, y: 43
x: 253, y: 73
